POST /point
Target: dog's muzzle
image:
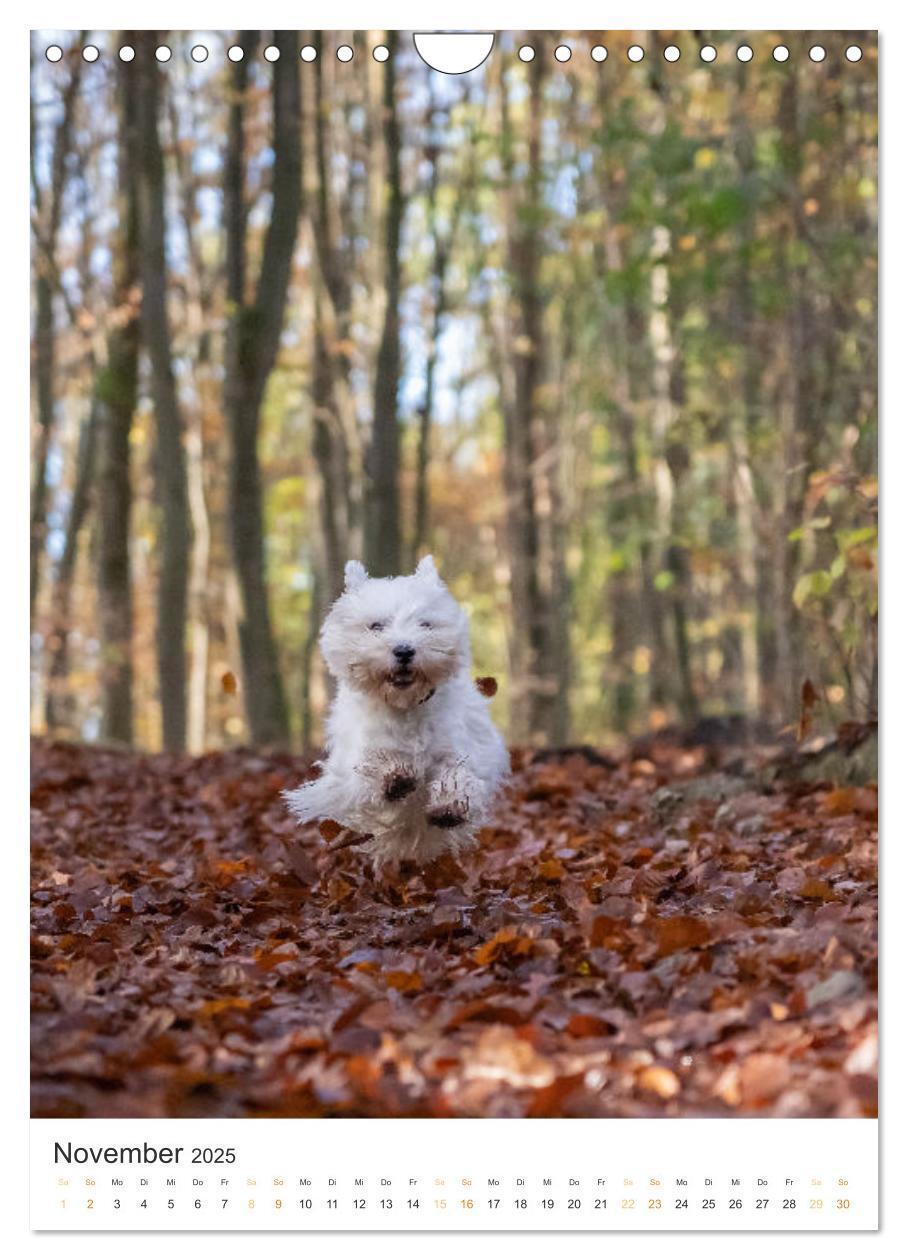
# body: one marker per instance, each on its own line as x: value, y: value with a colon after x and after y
x: 403, y: 675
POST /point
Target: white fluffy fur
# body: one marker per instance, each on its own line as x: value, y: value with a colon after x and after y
x: 422, y: 727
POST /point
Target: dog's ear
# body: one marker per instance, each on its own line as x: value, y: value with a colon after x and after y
x: 426, y: 569
x: 354, y: 575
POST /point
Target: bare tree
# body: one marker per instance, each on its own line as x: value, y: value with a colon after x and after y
x: 199, y: 286
x: 170, y: 464
x: 757, y: 638
x: 443, y: 243
x: 48, y: 209
x: 331, y: 340
x: 59, y: 705
x: 670, y: 457
x: 539, y: 710
x: 116, y: 395
x: 382, y: 537
x: 61, y: 702
x: 253, y: 339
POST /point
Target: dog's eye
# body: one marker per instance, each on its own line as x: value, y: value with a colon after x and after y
x: 427, y: 625
x: 377, y: 625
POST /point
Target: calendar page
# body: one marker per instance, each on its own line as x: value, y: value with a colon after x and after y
x: 454, y: 665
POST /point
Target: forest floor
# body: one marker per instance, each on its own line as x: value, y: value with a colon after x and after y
x: 666, y: 933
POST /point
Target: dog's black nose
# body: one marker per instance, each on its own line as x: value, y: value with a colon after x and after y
x: 404, y: 653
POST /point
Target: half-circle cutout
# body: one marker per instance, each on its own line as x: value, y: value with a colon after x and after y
x: 454, y: 52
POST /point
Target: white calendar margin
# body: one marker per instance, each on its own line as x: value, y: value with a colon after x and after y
x: 461, y: 1163
x: 14, y: 238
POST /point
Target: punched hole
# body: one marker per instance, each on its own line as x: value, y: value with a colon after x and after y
x: 453, y: 52
x: 853, y: 53
x: 163, y: 53
x: 380, y: 52
x: 90, y: 53
x: 53, y: 53
x: 708, y: 53
x: 745, y: 52
x: 235, y: 53
x: 562, y: 53
x: 598, y: 52
x: 199, y: 53
x: 817, y: 53
x: 308, y: 52
x: 672, y: 52
x: 345, y: 53
x: 272, y: 53
x: 526, y: 53
x: 780, y: 53
x: 635, y: 53
x: 127, y: 53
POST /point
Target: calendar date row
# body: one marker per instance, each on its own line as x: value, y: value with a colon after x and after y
x: 686, y: 1203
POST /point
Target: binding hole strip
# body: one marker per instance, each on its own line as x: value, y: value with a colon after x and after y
x: 199, y: 53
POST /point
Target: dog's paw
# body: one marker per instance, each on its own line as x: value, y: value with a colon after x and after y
x: 399, y: 784
x: 447, y: 815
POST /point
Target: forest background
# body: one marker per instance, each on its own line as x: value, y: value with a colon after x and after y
x: 599, y: 334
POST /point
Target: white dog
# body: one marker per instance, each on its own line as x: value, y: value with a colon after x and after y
x: 413, y: 760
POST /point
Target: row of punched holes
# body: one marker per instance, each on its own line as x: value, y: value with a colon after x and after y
x: 562, y: 53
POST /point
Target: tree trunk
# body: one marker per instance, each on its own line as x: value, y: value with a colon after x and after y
x: 44, y: 379
x: 117, y: 387
x: 310, y: 643
x: 382, y: 538
x: 444, y: 244
x: 201, y: 601
x: 437, y: 291
x: 539, y: 702
x: 331, y: 355
x: 171, y: 484
x: 48, y: 207
x: 197, y: 699
x: 60, y: 714
x: 253, y: 339
x: 757, y: 647
x: 637, y: 614
x: 669, y: 450
x: 330, y: 458
x: 798, y: 403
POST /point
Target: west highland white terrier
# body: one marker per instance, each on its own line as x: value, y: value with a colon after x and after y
x: 413, y: 758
